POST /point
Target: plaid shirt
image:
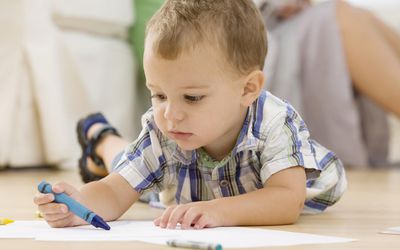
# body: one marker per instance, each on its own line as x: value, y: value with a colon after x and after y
x: 273, y: 138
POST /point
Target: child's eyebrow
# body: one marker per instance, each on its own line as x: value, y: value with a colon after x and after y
x: 196, y: 87
x: 149, y: 85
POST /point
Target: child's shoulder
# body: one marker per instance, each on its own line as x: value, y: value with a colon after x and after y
x: 270, y: 107
x: 272, y: 103
x: 270, y: 111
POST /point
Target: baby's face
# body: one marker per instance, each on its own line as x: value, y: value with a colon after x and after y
x: 196, y: 102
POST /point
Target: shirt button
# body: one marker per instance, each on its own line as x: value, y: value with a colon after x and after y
x: 224, y: 183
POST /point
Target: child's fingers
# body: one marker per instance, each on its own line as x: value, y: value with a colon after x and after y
x: 156, y: 221
x: 53, y: 208
x: 176, y: 215
x: 55, y: 217
x: 63, y: 187
x: 40, y: 198
x: 62, y: 222
x: 202, y: 222
x: 163, y: 219
x: 191, y: 216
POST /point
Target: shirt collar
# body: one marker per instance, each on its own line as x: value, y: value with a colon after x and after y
x: 246, y: 139
x: 187, y: 157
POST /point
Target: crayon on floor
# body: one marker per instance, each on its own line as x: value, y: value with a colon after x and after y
x: 5, y: 221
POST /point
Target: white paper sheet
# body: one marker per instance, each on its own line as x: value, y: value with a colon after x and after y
x: 23, y: 229
x: 228, y: 237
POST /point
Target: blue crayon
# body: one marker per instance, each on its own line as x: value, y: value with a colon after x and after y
x: 74, y: 206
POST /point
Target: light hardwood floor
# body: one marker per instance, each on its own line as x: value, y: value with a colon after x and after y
x: 371, y: 204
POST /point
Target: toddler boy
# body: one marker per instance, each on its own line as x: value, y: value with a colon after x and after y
x: 237, y: 154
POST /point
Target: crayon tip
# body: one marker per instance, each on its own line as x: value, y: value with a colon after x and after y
x: 4, y: 221
x: 97, y: 221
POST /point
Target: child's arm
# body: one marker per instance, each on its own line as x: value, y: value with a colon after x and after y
x: 109, y: 198
x: 279, y: 202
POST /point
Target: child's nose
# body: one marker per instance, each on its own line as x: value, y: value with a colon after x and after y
x: 173, y: 112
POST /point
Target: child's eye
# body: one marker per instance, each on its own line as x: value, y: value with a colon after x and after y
x: 158, y: 97
x: 194, y: 98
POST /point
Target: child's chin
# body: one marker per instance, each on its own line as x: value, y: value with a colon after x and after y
x: 187, y: 147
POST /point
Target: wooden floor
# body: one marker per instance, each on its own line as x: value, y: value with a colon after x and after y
x: 371, y: 204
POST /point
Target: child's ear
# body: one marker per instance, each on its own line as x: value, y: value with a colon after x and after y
x: 253, y: 85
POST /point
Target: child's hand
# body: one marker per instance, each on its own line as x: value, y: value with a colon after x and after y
x: 196, y: 214
x: 57, y: 214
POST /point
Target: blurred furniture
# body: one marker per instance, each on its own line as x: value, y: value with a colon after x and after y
x: 59, y: 61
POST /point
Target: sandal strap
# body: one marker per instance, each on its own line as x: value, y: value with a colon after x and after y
x: 92, y: 119
x: 95, y: 140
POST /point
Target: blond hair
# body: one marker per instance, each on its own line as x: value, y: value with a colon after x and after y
x: 233, y: 26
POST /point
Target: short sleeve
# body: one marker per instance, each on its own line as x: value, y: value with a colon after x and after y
x: 143, y: 163
x: 287, y: 144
